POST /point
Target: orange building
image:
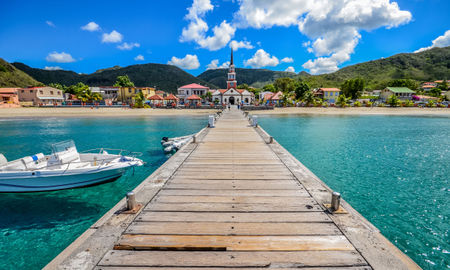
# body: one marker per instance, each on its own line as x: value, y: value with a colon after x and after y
x: 9, y: 98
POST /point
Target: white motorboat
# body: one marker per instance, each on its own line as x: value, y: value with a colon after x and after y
x: 65, y: 168
x: 171, y: 145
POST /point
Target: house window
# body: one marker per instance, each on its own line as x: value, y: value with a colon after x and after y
x: 51, y: 92
x: 129, y: 91
x: 326, y: 94
x: 41, y: 92
x: 22, y: 91
x: 59, y: 92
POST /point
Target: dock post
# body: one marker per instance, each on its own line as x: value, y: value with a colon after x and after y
x: 211, y: 121
x: 194, y: 139
x: 335, y: 201
x: 255, y: 121
x: 131, y: 201
x: 270, y: 140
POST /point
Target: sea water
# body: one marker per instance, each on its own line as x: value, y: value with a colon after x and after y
x: 394, y: 170
x: 35, y: 227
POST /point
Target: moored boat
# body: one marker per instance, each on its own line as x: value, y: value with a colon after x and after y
x: 65, y: 168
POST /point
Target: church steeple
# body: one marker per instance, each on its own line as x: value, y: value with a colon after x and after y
x: 231, y: 61
x: 231, y: 82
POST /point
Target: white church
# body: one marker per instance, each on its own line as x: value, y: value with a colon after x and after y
x: 231, y: 95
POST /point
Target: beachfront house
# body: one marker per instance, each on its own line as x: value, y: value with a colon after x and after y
x: 185, y: 91
x: 328, y: 94
x: 9, y: 98
x: 40, y: 96
x: 107, y: 92
x: 400, y: 92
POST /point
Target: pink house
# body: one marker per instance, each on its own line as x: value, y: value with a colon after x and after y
x: 9, y: 98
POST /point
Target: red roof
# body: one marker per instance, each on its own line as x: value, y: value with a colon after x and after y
x: 9, y: 90
x: 194, y: 85
x: 160, y: 92
x: 276, y: 96
x: 155, y: 97
x: 267, y: 96
x: 222, y: 90
x: 194, y: 97
x: 171, y: 97
x: 240, y: 90
x: 330, y: 89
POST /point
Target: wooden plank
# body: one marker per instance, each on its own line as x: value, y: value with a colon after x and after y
x: 214, y: 228
x: 232, y: 185
x: 227, y: 268
x: 228, y: 192
x: 234, y: 217
x: 230, y: 207
x: 288, y: 200
x: 233, y: 243
x: 232, y: 259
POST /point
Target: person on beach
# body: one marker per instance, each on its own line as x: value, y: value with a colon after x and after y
x: 229, y: 106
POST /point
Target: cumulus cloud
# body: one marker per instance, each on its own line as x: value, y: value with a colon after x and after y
x: 333, y: 25
x: 290, y: 69
x: 50, y: 23
x: 262, y: 59
x: 287, y: 60
x: 53, y: 68
x: 235, y: 45
x: 91, y: 27
x: 128, y: 46
x: 215, y: 64
x: 188, y: 62
x: 197, y: 28
x: 442, y: 41
x: 59, y: 57
x: 113, y: 37
x: 139, y: 57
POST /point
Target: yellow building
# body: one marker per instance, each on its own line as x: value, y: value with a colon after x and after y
x: 126, y: 94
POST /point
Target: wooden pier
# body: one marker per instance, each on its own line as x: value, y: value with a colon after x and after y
x: 232, y: 200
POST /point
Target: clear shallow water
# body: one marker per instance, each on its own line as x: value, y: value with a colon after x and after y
x: 35, y: 227
x: 394, y: 170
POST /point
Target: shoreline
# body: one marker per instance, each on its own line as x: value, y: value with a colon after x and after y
x: 16, y: 113
x: 401, y: 111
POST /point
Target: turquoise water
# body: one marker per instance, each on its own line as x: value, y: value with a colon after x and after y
x: 394, y: 170
x: 35, y: 227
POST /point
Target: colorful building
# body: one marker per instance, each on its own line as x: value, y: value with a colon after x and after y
x: 191, y: 89
x: 40, y: 96
x: 9, y: 98
x: 400, y: 92
x: 328, y: 94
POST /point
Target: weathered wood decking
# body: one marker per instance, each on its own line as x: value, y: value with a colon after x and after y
x: 234, y: 201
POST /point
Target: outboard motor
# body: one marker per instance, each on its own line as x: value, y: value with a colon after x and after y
x: 165, y: 139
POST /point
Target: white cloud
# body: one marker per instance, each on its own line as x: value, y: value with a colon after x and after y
x: 128, y: 46
x: 50, y: 23
x: 113, y: 37
x: 188, y: 62
x: 59, y: 57
x: 140, y: 57
x: 333, y: 25
x: 215, y: 64
x: 91, y: 27
x: 442, y: 41
x: 290, y: 69
x: 235, y: 45
x: 197, y: 28
x: 287, y: 60
x: 262, y: 59
x: 53, y: 68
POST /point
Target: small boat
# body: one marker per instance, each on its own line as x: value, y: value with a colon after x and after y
x: 171, y: 145
x: 65, y: 168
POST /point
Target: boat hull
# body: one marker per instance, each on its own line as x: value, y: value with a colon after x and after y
x: 53, y: 181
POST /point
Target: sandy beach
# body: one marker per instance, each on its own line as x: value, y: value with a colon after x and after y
x: 357, y: 111
x: 100, y: 112
x: 121, y: 112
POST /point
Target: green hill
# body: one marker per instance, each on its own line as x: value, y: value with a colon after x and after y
x: 253, y: 77
x: 164, y: 77
x: 429, y: 65
x: 13, y: 77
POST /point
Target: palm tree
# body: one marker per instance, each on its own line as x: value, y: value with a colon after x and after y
x: 342, y: 101
x: 309, y: 98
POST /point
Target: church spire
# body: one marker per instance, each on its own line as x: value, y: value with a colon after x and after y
x: 231, y: 62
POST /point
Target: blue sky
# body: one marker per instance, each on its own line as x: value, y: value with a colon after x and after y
x: 317, y: 36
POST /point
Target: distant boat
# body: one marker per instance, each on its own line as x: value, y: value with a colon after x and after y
x: 171, y: 145
x: 65, y: 168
